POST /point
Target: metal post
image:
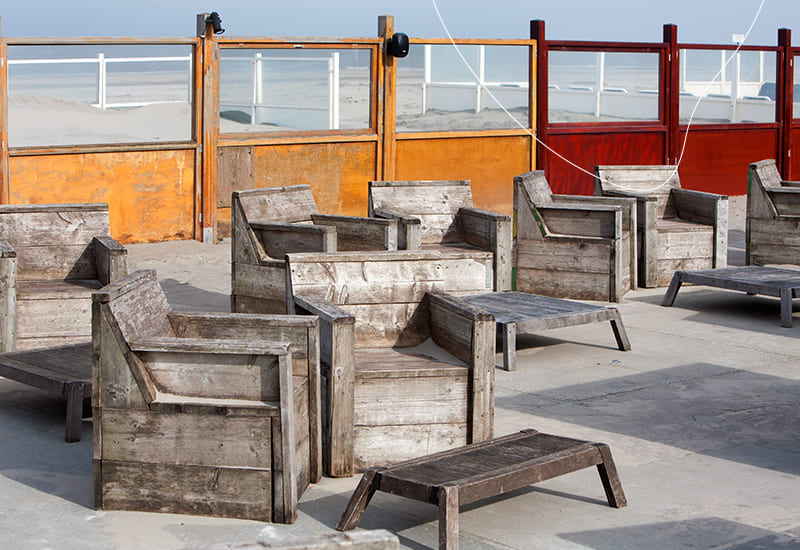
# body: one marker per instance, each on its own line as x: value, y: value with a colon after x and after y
x: 427, y: 80
x: 101, y: 81
x: 333, y: 83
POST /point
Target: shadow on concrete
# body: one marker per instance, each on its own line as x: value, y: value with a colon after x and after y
x: 32, y: 447
x: 704, y: 408
x: 185, y: 297
x: 708, y: 532
x: 728, y: 308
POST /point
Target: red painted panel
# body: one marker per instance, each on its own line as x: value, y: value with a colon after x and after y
x: 590, y: 149
x: 715, y: 159
x: 794, y: 175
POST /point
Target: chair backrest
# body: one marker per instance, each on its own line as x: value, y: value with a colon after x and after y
x: 384, y: 291
x: 766, y: 175
x: 54, y: 241
x: 656, y: 180
x: 289, y: 204
x: 436, y: 203
x: 535, y: 185
x: 138, y: 305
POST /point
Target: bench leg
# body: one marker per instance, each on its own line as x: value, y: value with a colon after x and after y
x: 509, y: 346
x: 358, y: 502
x: 72, y: 429
x: 672, y: 290
x: 608, y: 475
x: 619, y: 332
x: 448, y: 518
x: 786, y: 307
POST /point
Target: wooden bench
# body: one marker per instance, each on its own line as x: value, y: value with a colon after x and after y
x: 521, y: 312
x: 61, y: 370
x: 268, y: 223
x: 52, y: 256
x: 679, y: 229
x: 773, y: 216
x: 438, y: 215
x: 769, y: 281
x: 407, y: 370
x: 569, y: 246
x: 378, y: 539
x: 201, y: 413
x: 461, y: 476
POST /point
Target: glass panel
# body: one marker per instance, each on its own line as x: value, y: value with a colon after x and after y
x: 71, y: 95
x: 603, y: 86
x: 723, y: 86
x: 796, y: 98
x: 274, y: 90
x: 438, y: 91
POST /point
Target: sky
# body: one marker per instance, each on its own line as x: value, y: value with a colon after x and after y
x: 699, y: 21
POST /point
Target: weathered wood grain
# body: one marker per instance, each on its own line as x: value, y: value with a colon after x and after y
x: 378, y: 539
x: 384, y: 307
x: 477, y: 472
x: 662, y: 202
x: 443, y: 214
x: 182, y: 400
x: 566, y: 249
x: 773, y: 216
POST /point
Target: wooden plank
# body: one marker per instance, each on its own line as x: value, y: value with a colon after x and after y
x: 235, y: 171
x: 8, y: 300
x: 354, y: 233
x: 139, y: 436
x: 410, y: 401
x: 279, y: 239
x: 167, y: 488
x: 378, y: 539
x: 374, y: 445
x: 56, y: 225
x: 287, y: 204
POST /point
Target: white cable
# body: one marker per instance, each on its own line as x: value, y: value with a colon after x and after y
x: 556, y: 153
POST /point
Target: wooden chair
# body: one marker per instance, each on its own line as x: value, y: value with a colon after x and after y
x: 679, y: 229
x: 390, y: 393
x: 268, y: 223
x: 773, y: 216
x: 438, y: 215
x: 52, y: 256
x: 570, y: 246
x: 207, y: 414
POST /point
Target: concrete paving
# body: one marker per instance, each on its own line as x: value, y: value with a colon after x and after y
x: 701, y: 415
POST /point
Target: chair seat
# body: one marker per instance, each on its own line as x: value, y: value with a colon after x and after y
x: 675, y: 225
x: 405, y: 363
x: 459, y: 250
x: 57, y: 289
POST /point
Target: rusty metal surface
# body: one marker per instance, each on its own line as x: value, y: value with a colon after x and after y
x: 149, y: 193
x: 490, y: 163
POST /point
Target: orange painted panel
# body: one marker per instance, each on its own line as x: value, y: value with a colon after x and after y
x: 150, y: 194
x: 337, y: 172
x: 490, y: 163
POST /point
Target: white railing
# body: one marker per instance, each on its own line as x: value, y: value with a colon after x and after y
x: 102, y: 75
x: 470, y: 95
x: 276, y: 113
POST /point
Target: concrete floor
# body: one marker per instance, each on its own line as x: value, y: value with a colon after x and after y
x: 701, y: 415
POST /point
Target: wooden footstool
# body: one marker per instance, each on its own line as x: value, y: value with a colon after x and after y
x: 474, y: 472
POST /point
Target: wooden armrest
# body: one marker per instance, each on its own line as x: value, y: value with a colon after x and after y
x: 110, y: 244
x: 6, y: 250
x: 785, y: 190
x: 110, y: 259
x: 453, y: 321
x: 166, y: 344
x: 582, y: 220
x: 291, y: 227
x: 357, y: 233
x: 629, y: 194
x: 409, y: 235
x: 485, y: 214
x: 241, y: 326
x: 698, y: 206
x: 790, y: 184
x: 327, y: 312
x: 399, y: 216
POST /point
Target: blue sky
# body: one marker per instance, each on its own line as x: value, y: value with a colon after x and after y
x: 704, y: 21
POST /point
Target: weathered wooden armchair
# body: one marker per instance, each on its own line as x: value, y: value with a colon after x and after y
x: 51, y: 258
x: 438, y: 215
x: 269, y: 223
x: 773, y: 216
x: 570, y: 246
x: 679, y: 229
x: 390, y: 393
x: 207, y: 414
